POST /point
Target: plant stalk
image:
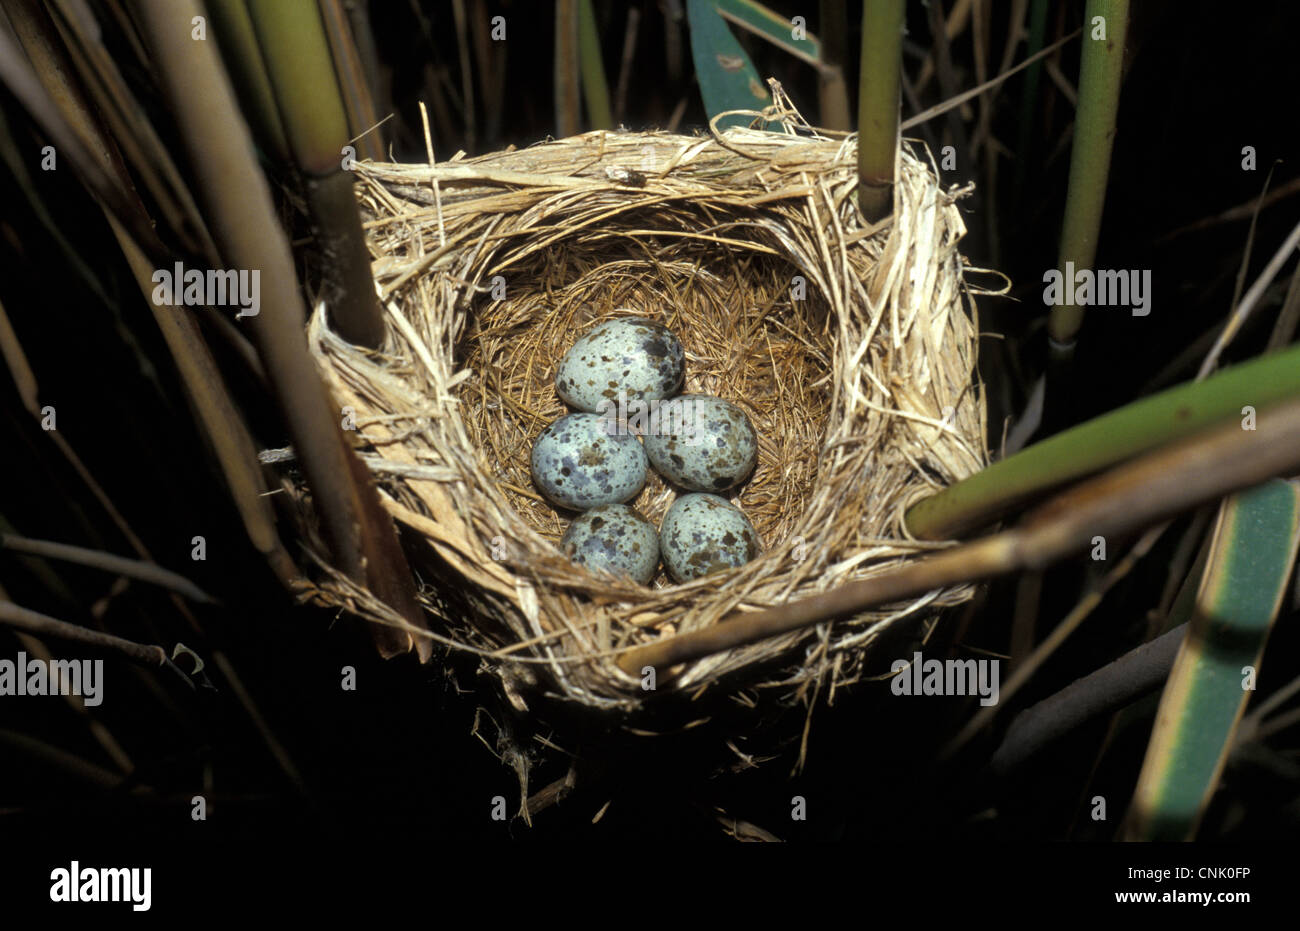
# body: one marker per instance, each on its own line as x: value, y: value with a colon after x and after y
x: 832, y: 88
x: 300, y: 67
x: 1104, y: 441
x: 1126, y: 499
x: 1100, y: 72
x: 878, y: 102
x: 243, y: 219
x: 594, y: 88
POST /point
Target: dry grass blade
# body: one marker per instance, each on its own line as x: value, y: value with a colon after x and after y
x: 22, y: 81
x: 958, y: 99
x: 1243, y: 310
x: 130, y: 125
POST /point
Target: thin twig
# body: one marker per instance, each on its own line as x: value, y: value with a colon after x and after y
x: 133, y: 568
x: 940, y: 109
x: 41, y: 625
x: 1234, y: 214
x: 1252, y: 297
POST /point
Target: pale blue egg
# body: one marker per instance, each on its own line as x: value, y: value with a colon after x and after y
x: 637, y: 358
x: 707, y: 445
x: 616, y: 538
x: 578, y: 464
x: 702, y: 534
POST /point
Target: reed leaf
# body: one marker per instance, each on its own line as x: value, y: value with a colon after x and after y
x: 1248, y: 573
x: 757, y: 19
x: 727, y: 77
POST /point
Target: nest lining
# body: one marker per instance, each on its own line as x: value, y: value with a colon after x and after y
x: 860, y: 385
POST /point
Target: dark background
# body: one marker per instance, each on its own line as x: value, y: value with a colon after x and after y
x: 398, y: 755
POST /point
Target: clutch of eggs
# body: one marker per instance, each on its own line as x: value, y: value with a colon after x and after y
x: 591, y: 461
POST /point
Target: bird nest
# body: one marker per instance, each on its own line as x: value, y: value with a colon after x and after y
x: 851, y: 347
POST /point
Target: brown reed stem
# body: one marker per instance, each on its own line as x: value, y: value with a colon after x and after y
x: 1128, y: 498
x: 40, y: 625
x: 246, y: 227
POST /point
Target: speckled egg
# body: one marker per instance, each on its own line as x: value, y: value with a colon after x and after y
x: 702, y: 534
x: 711, y: 446
x: 616, y: 538
x: 638, y: 357
x: 577, y: 464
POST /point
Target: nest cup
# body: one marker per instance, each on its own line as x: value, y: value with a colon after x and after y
x: 851, y: 348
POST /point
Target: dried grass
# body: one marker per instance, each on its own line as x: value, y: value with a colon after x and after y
x: 862, y: 392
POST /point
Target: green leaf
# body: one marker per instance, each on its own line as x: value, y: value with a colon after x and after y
x: 775, y: 28
x: 727, y: 78
x: 1248, y: 571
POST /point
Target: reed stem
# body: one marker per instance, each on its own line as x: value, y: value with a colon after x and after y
x: 1104, y: 441
x: 878, y: 97
x: 1100, y: 72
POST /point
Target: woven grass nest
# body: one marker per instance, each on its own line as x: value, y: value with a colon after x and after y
x: 849, y: 347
